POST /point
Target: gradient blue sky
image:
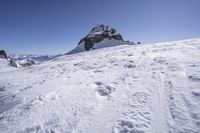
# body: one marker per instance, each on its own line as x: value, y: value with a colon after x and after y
x: 56, y: 26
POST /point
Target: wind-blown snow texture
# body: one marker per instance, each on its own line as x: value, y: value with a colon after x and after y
x: 123, y: 89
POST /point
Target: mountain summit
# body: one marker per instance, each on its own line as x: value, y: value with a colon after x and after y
x: 100, y: 36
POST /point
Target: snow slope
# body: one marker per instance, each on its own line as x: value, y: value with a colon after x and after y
x: 103, y: 44
x: 150, y: 88
x: 4, y: 66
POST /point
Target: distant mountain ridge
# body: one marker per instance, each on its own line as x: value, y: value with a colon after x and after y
x: 38, y: 58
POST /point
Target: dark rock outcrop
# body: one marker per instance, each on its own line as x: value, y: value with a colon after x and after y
x: 22, y: 63
x: 3, y: 54
x: 99, y: 33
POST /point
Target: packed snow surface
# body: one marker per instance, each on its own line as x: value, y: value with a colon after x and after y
x: 149, y: 88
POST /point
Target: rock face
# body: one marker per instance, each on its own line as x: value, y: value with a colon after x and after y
x: 3, y: 54
x: 98, y: 34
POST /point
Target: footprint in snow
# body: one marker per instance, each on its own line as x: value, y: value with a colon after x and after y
x: 98, y: 71
x: 138, y: 99
x: 196, y: 92
x: 104, y: 90
x: 33, y: 129
x: 2, y: 88
x: 38, y: 129
x: 37, y: 100
x: 98, y: 83
x: 193, y: 65
x: 143, y: 53
x: 160, y: 60
x: 136, y: 114
x: 28, y: 87
x: 129, y: 66
x: 194, y: 78
x: 126, y: 126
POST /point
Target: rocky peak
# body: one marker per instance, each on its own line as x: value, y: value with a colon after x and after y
x: 3, y: 54
x: 98, y: 34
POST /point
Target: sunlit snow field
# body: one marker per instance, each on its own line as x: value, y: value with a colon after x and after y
x: 147, y: 88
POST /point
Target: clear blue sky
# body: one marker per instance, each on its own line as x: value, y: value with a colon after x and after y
x: 56, y: 26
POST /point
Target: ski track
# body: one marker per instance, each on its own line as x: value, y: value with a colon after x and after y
x: 124, y: 89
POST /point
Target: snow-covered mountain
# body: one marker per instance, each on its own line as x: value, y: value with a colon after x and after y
x: 100, y: 36
x: 147, y: 88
